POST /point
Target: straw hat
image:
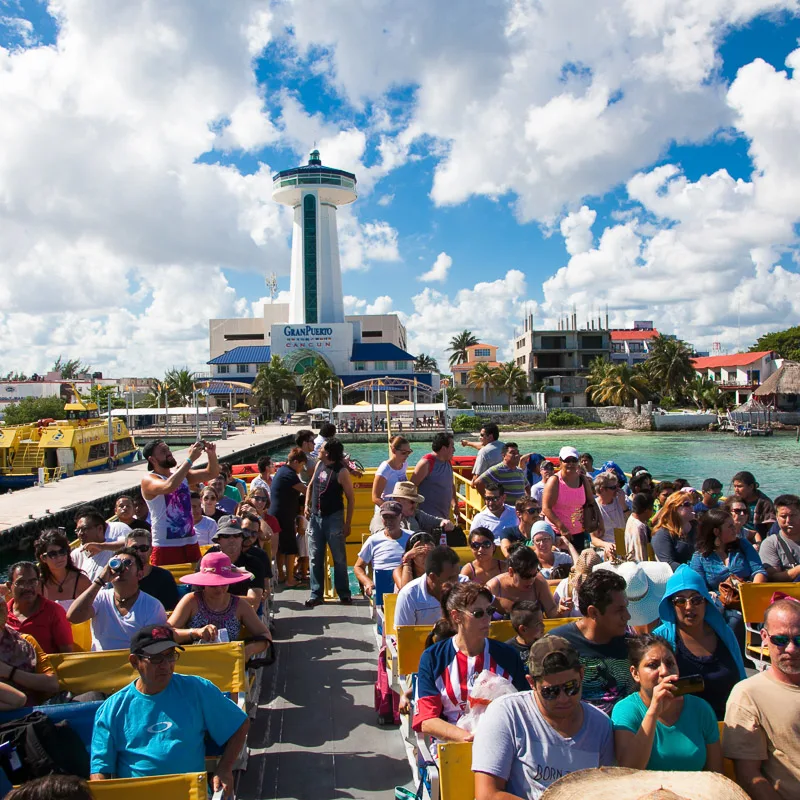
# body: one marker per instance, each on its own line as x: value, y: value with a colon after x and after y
x: 406, y: 490
x: 646, y: 585
x: 586, y: 561
x: 216, y: 570
x: 620, y: 783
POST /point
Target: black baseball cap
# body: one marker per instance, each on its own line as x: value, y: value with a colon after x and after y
x: 552, y: 654
x: 153, y: 639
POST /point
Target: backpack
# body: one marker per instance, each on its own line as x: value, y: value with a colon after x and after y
x: 36, y: 746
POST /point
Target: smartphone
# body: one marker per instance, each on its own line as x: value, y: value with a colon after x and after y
x: 691, y: 684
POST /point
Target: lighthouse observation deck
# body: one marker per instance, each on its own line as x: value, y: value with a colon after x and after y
x: 332, y: 185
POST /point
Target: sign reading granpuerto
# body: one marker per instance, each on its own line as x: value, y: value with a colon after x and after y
x: 307, y: 330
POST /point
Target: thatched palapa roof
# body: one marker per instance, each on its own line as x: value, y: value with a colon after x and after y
x: 785, y: 381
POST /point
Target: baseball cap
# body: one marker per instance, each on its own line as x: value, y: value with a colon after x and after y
x: 568, y: 452
x: 153, y: 639
x: 229, y: 525
x: 552, y: 654
x: 391, y: 507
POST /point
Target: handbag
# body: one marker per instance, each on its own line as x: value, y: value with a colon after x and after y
x: 591, y: 513
x: 728, y: 593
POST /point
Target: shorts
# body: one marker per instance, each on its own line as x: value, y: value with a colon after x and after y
x: 287, y: 537
x: 302, y: 546
x: 182, y: 554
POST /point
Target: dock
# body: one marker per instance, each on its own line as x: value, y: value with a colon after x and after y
x: 24, y: 512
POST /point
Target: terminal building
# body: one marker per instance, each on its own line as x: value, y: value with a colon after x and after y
x: 312, y: 324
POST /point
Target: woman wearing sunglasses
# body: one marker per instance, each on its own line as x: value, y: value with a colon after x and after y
x: 62, y: 581
x: 703, y: 643
x: 738, y: 510
x: 448, y: 668
x: 413, y: 564
x: 674, y: 529
x: 257, y: 502
x: 387, y: 475
x: 485, y: 566
x: 657, y: 729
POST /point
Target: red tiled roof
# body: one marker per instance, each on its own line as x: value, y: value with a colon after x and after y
x: 632, y: 336
x: 735, y: 360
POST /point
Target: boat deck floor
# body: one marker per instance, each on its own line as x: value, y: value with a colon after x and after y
x: 315, y: 735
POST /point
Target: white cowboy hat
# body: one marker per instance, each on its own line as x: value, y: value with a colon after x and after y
x: 406, y: 490
x: 646, y: 585
x: 621, y: 783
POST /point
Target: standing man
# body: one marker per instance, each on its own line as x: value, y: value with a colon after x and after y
x: 329, y: 524
x: 780, y: 553
x: 305, y: 441
x: 490, y: 449
x: 168, y: 497
x: 762, y: 726
x: 506, y: 474
x: 264, y: 478
x: 433, y: 475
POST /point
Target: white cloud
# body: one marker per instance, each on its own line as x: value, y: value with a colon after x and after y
x: 361, y: 244
x: 385, y: 200
x: 438, y: 272
x: 576, y: 228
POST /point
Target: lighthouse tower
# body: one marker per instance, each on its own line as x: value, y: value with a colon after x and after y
x: 315, y: 192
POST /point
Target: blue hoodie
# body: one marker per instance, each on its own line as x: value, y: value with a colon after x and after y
x: 684, y: 579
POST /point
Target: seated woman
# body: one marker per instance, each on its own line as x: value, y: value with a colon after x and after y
x: 703, y: 643
x: 720, y: 554
x: 524, y: 581
x: 210, y: 498
x: 485, y: 566
x: 439, y: 701
x: 62, y: 581
x: 655, y: 729
x: 212, y: 608
x: 23, y: 664
x: 258, y: 501
x: 413, y: 563
x: 613, y: 510
x: 543, y: 537
x: 674, y: 529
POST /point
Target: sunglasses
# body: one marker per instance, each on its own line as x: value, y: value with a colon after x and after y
x: 56, y: 553
x: 610, y: 488
x: 692, y: 602
x: 570, y: 460
x: 532, y: 510
x: 496, y: 499
x: 738, y: 511
x: 259, y: 498
x: 571, y: 688
x: 484, y: 545
x: 161, y: 658
x: 687, y: 505
x: 782, y: 641
x: 478, y: 613
x: 228, y: 536
x: 141, y: 548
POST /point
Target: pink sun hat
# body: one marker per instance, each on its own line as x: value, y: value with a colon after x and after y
x: 216, y: 570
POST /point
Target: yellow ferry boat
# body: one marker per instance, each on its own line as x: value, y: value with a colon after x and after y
x: 76, y: 445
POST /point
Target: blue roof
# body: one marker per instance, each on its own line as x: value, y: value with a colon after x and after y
x: 215, y: 388
x: 379, y: 351
x: 425, y: 378
x: 255, y: 354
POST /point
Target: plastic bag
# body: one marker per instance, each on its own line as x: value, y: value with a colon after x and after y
x: 487, y: 686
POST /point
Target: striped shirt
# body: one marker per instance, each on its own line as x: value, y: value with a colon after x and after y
x: 511, y: 479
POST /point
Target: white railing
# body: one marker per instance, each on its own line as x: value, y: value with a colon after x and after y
x: 514, y: 408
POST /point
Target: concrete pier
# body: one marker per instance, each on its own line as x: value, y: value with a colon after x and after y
x: 24, y: 512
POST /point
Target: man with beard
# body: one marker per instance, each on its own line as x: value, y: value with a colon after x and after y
x: 168, y: 497
x: 761, y: 719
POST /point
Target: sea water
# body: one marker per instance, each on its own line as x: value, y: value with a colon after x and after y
x: 775, y: 460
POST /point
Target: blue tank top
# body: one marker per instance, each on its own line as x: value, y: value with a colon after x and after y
x: 437, y: 487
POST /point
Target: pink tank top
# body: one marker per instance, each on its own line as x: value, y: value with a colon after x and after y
x: 569, y: 506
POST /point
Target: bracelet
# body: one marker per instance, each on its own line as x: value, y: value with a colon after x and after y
x: 11, y: 675
x: 190, y: 462
x: 99, y: 582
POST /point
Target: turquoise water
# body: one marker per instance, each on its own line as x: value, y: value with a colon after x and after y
x: 775, y: 461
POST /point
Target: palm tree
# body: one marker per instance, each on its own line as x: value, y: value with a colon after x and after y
x: 181, y: 383
x: 458, y: 347
x: 454, y: 398
x: 425, y: 363
x: 159, y: 395
x: 671, y: 365
x: 273, y: 383
x: 620, y: 387
x: 511, y: 378
x: 482, y: 376
x: 319, y: 380
x: 599, y: 371
x: 70, y: 369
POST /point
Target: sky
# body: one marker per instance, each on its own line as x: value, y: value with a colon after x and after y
x: 516, y: 157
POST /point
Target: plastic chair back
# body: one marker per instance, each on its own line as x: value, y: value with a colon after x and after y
x: 756, y: 598
x: 191, y: 786
x: 389, y: 605
x: 82, y: 636
x: 180, y: 570
x: 456, y: 779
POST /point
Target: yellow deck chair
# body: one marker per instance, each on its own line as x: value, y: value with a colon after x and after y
x: 756, y: 598
x: 108, y: 671
x: 178, y: 571
x: 389, y: 604
x: 82, y: 636
x: 619, y: 541
x: 456, y: 779
x: 190, y: 786
x: 465, y: 554
x: 728, y: 769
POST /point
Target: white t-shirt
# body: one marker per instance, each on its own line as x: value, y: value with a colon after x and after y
x: 205, y: 530
x: 514, y: 742
x: 392, y: 475
x: 485, y: 519
x: 382, y: 551
x: 110, y: 631
x: 117, y: 531
x: 537, y: 492
x: 415, y: 606
x: 91, y: 565
x: 259, y: 483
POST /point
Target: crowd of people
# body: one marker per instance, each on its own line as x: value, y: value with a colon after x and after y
x: 644, y: 669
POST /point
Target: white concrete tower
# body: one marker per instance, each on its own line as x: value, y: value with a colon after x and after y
x: 315, y: 192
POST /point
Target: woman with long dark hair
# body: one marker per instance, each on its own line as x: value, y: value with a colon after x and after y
x: 485, y: 566
x: 62, y: 581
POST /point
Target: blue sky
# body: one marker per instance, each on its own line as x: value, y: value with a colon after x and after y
x: 642, y: 159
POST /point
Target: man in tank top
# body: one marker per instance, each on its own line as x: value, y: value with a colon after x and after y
x: 168, y: 497
x: 433, y: 475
